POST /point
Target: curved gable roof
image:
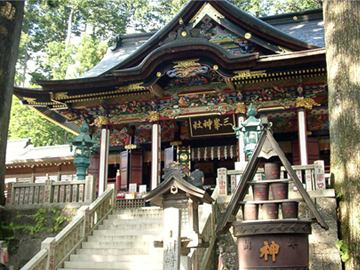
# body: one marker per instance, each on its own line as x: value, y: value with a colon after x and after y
x: 135, y: 48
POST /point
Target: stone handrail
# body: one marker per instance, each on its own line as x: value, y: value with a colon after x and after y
x: 312, y: 176
x: 199, y: 257
x: 22, y: 195
x: 55, y: 250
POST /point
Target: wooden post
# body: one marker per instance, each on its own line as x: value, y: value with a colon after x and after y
x: 302, y: 136
x: 172, y: 239
x: 156, y: 155
x: 241, y: 153
x: 104, y: 159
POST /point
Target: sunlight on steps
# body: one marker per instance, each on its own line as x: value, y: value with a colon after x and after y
x: 123, y: 241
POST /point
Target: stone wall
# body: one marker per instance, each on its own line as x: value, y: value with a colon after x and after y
x: 323, y: 254
x: 24, y: 231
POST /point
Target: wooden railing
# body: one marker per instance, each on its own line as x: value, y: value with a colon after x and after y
x: 312, y: 176
x: 55, y: 250
x: 20, y: 195
x: 199, y: 257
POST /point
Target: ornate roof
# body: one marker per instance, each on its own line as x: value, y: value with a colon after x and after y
x: 211, y: 41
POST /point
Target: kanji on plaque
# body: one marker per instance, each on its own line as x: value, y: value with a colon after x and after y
x: 212, y: 125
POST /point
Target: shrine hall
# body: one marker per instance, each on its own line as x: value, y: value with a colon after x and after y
x: 180, y: 93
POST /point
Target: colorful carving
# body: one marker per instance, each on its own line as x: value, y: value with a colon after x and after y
x: 318, y: 122
x: 143, y: 133
x: 168, y: 130
x: 120, y: 137
x: 212, y: 96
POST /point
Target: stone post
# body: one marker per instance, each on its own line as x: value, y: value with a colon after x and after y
x: 49, y: 245
x: 48, y: 191
x: 222, y: 181
x: 90, y: 186
x: 172, y: 239
x: 10, y: 192
x: 185, y: 263
x: 84, y: 210
x: 319, y: 170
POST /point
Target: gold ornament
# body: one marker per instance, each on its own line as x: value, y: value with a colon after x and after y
x: 247, y: 36
x: 176, y: 143
x: 240, y: 108
x: 187, y: 63
x: 130, y: 146
x: 154, y: 116
x: 307, y: 103
x: 100, y: 121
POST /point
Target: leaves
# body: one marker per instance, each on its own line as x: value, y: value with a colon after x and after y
x: 26, y: 123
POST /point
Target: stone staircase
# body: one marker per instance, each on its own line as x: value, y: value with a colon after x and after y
x: 124, y: 241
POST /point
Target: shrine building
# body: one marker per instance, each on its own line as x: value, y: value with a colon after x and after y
x: 179, y: 94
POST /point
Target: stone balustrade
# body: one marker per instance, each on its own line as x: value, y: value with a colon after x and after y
x: 312, y: 176
x: 55, y: 250
x: 199, y: 257
x: 30, y: 195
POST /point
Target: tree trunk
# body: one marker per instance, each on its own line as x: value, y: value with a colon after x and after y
x: 11, y: 15
x: 342, y: 35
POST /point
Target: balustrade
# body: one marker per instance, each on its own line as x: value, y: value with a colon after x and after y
x: 312, y: 176
x: 55, y: 250
x: 50, y: 192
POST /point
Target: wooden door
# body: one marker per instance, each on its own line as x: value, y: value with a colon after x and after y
x: 124, y: 169
x: 136, y: 162
x: 313, y: 151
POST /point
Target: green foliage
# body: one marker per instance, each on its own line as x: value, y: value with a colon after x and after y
x: 344, y: 250
x: 296, y: 5
x: 26, y: 123
x: 40, y: 217
x: 89, y: 52
x: 58, y: 59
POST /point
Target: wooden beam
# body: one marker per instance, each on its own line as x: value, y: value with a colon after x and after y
x: 157, y: 90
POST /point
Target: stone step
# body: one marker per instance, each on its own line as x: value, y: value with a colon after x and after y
x: 114, y: 258
x: 121, y: 238
x: 120, y: 251
x: 148, y: 209
x: 123, y: 244
x: 149, y: 265
x: 137, y: 227
x: 138, y: 216
x: 120, y: 221
x: 128, y: 231
x: 124, y: 241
